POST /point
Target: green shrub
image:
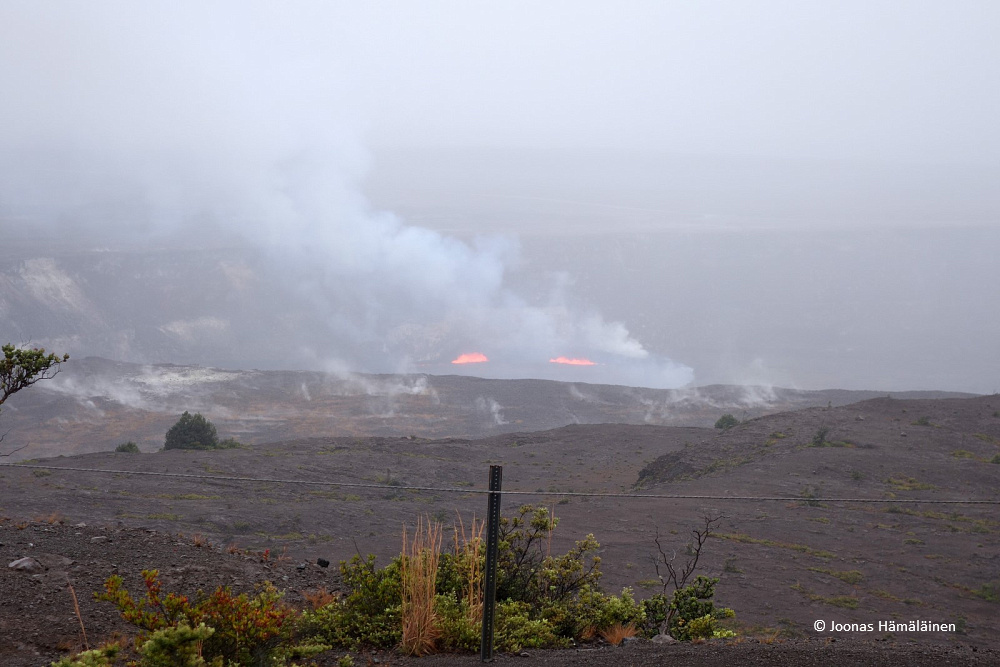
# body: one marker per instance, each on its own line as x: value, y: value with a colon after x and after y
x: 458, y: 631
x: 128, y: 448
x: 176, y: 646
x: 819, y: 438
x: 995, y: 459
x: 526, y: 574
x: 192, y: 432
x: 592, y: 611
x: 692, y: 612
x: 726, y: 422
x: 515, y: 629
x: 254, y: 630
x: 369, y: 615
x: 98, y: 657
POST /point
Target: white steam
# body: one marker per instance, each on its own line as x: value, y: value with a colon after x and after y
x: 139, y: 123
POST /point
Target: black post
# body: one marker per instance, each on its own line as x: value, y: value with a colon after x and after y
x: 490, y: 583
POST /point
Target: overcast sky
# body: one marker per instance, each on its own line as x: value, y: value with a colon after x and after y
x: 273, y: 121
x: 873, y: 80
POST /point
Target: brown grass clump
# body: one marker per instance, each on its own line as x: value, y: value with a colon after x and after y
x: 233, y: 549
x: 199, y: 540
x: 51, y: 519
x: 617, y: 633
x: 418, y: 569
x: 320, y: 597
x: 468, y: 548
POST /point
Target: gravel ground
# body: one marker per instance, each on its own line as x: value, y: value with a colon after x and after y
x: 38, y: 623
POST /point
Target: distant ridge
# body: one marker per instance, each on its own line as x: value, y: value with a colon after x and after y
x: 95, y: 403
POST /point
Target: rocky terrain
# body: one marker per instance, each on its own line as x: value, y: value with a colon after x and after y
x: 795, y: 554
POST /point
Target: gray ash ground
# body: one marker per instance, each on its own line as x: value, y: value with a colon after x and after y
x: 38, y: 623
x: 782, y: 564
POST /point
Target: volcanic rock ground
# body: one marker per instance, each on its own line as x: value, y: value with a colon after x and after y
x: 783, y: 563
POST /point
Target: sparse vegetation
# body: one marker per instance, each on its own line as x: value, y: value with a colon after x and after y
x: 908, y: 484
x: 848, y: 576
x: 989, y: 592
x: 746, y: 539
x: 844, y: 601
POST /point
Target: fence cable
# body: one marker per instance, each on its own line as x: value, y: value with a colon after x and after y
x: 401, y: 487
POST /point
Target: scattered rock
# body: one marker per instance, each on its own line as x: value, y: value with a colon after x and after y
x: 322, y: 562
x: 664, y: 639
x: 99, y: 538
x: 27, y: 564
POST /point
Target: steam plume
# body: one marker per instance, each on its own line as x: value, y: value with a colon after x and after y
x: 129, y: 123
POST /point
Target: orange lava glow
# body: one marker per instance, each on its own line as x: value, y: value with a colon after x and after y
x: 572, y: 362
x: 472, y: 358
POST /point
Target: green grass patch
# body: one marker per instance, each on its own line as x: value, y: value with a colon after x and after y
x: 843, y: 601
x: 801, y: 548
x: 908, y: 484
x: 989, y: 592
x: 847, y: 576
x: 166, y: 516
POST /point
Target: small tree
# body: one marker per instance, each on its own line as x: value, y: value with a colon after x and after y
x: 128, y: 448
x: 22, y: 367
x: 671, y: 573
x: 726, y: 422
x: 192, y: 432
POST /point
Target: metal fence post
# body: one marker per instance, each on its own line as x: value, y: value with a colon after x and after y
x: 490, y: 583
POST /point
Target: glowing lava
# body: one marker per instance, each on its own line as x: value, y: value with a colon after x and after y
x: 472, y: 358
x: 572, y: 362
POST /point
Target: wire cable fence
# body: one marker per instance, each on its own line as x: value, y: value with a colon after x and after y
x: 468, y: 490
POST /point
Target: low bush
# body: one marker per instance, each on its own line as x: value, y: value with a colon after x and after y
x: 256, y: 630
x: 128, y: 448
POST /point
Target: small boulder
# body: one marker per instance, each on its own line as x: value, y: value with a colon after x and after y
x: 27, y: 564
x: 664, y: 639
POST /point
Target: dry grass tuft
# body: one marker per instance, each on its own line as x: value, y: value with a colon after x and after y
x: 51, y: 519
x: 200, y: 540
x: 233, y: 549
x: 617, y: 633
x: 419, y: 574
x: 320, y: 597
x: 772, y: 638
x: 76, y: 608
x: 468, y: 548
